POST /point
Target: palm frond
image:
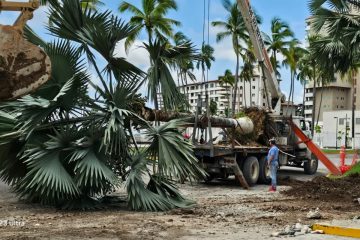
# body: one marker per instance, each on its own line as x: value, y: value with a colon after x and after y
x: 175, y: 155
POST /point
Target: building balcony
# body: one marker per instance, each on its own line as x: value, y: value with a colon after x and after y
x: 309, y: 103
x: 308, y: 111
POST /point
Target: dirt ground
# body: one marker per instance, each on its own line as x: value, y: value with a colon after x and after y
x: 223, y: 211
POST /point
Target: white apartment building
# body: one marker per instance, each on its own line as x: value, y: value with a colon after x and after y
x: 248, y: 94
x: 221, y: 94
x: 336, y: 125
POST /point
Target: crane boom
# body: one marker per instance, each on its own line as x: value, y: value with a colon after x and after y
x: 271, y: 85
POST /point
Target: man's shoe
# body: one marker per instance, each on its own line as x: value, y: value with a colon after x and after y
x: 272, y: 189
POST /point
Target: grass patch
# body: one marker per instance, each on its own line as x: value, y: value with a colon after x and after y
x: 354, y: 170
x: 337, y: 151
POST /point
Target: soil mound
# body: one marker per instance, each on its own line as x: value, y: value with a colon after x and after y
x: 325, y: 189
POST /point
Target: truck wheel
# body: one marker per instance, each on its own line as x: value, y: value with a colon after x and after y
x: 209, y: 178
x: 264, y: 171
x: 251, y: 170
x: 311, y: 166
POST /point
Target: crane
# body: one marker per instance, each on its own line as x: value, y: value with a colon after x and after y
x: 24, y: 67
x: 271, y: 85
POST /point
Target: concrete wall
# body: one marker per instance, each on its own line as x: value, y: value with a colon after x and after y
x: 336, y: 119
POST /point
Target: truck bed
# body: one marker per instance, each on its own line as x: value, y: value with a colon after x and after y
x: 223, y: 150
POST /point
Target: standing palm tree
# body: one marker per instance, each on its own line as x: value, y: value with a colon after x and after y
x: 304, y: 75
x: 292, y: 56
x: 235, y: 28
x: 279, y: 41
x: 205, y: 58
x: 185, y: 66
x: 158, y: 27
x: 339, y: 23
x: 228, y: 80
x: 152, y: 18
x: 247, y: 72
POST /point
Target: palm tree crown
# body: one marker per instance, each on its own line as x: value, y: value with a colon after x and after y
x: 235, y: 28
x: 278, y: 41
x: 152, y: 18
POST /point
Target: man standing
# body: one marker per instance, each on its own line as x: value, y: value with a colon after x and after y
x: 273, y: 163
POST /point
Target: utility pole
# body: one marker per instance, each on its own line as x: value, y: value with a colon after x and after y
x: 353, y: 111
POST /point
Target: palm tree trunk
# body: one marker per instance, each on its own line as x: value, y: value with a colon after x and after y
x: 319, y: 108
x: 244, y: 93
x: 314, y: 102
x: 353, y: 111
x: 250, y: 94
x: 290, y: 93
x: 303, y: 101
x: 236, y: 83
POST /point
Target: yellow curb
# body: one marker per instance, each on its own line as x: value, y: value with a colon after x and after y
x: 338, y: 231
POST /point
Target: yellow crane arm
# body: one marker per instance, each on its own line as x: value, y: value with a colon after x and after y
x: 18, y: 6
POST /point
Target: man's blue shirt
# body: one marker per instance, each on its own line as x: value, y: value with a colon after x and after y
x: 274, y: 151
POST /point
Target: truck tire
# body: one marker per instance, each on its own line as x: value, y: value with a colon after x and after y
x: 251, y: 170
x: 311, y: 166
x: 264, y: 171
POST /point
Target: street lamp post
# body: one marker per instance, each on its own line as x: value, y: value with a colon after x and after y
x: 336, y: 140
x: 346, y: 131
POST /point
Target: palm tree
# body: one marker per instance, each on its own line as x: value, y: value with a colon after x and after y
x: 292, y: 56
x: 304, y: 75
x: 162, y: 57
x: 151, y: 18
x: 279, y: 41
x: 69, y: 147
x: 338, y: 49
x: 185, y: 66
x: 247, y: 71
x: 235, y: 28
x: 227, y: 80
x: 205, y: 58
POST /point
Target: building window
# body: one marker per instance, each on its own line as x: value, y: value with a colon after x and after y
x: 241, y: 87
x: 253, y: 103
x: 211, y: 85
x: 216, y: 99
x: 253, y: 95
x: 253, y: 87
x: 192, y: 94
x: 357, y: 121
x: 191, y: 101
x: 341, y: 121
x: 253, y: 79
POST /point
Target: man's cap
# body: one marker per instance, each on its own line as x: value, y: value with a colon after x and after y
x: 272, y: 140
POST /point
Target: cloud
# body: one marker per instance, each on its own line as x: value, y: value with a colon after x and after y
x: 137, y: 54
x: 224, y: 51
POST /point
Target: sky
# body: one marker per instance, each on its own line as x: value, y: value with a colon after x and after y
x: 190, y: 14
